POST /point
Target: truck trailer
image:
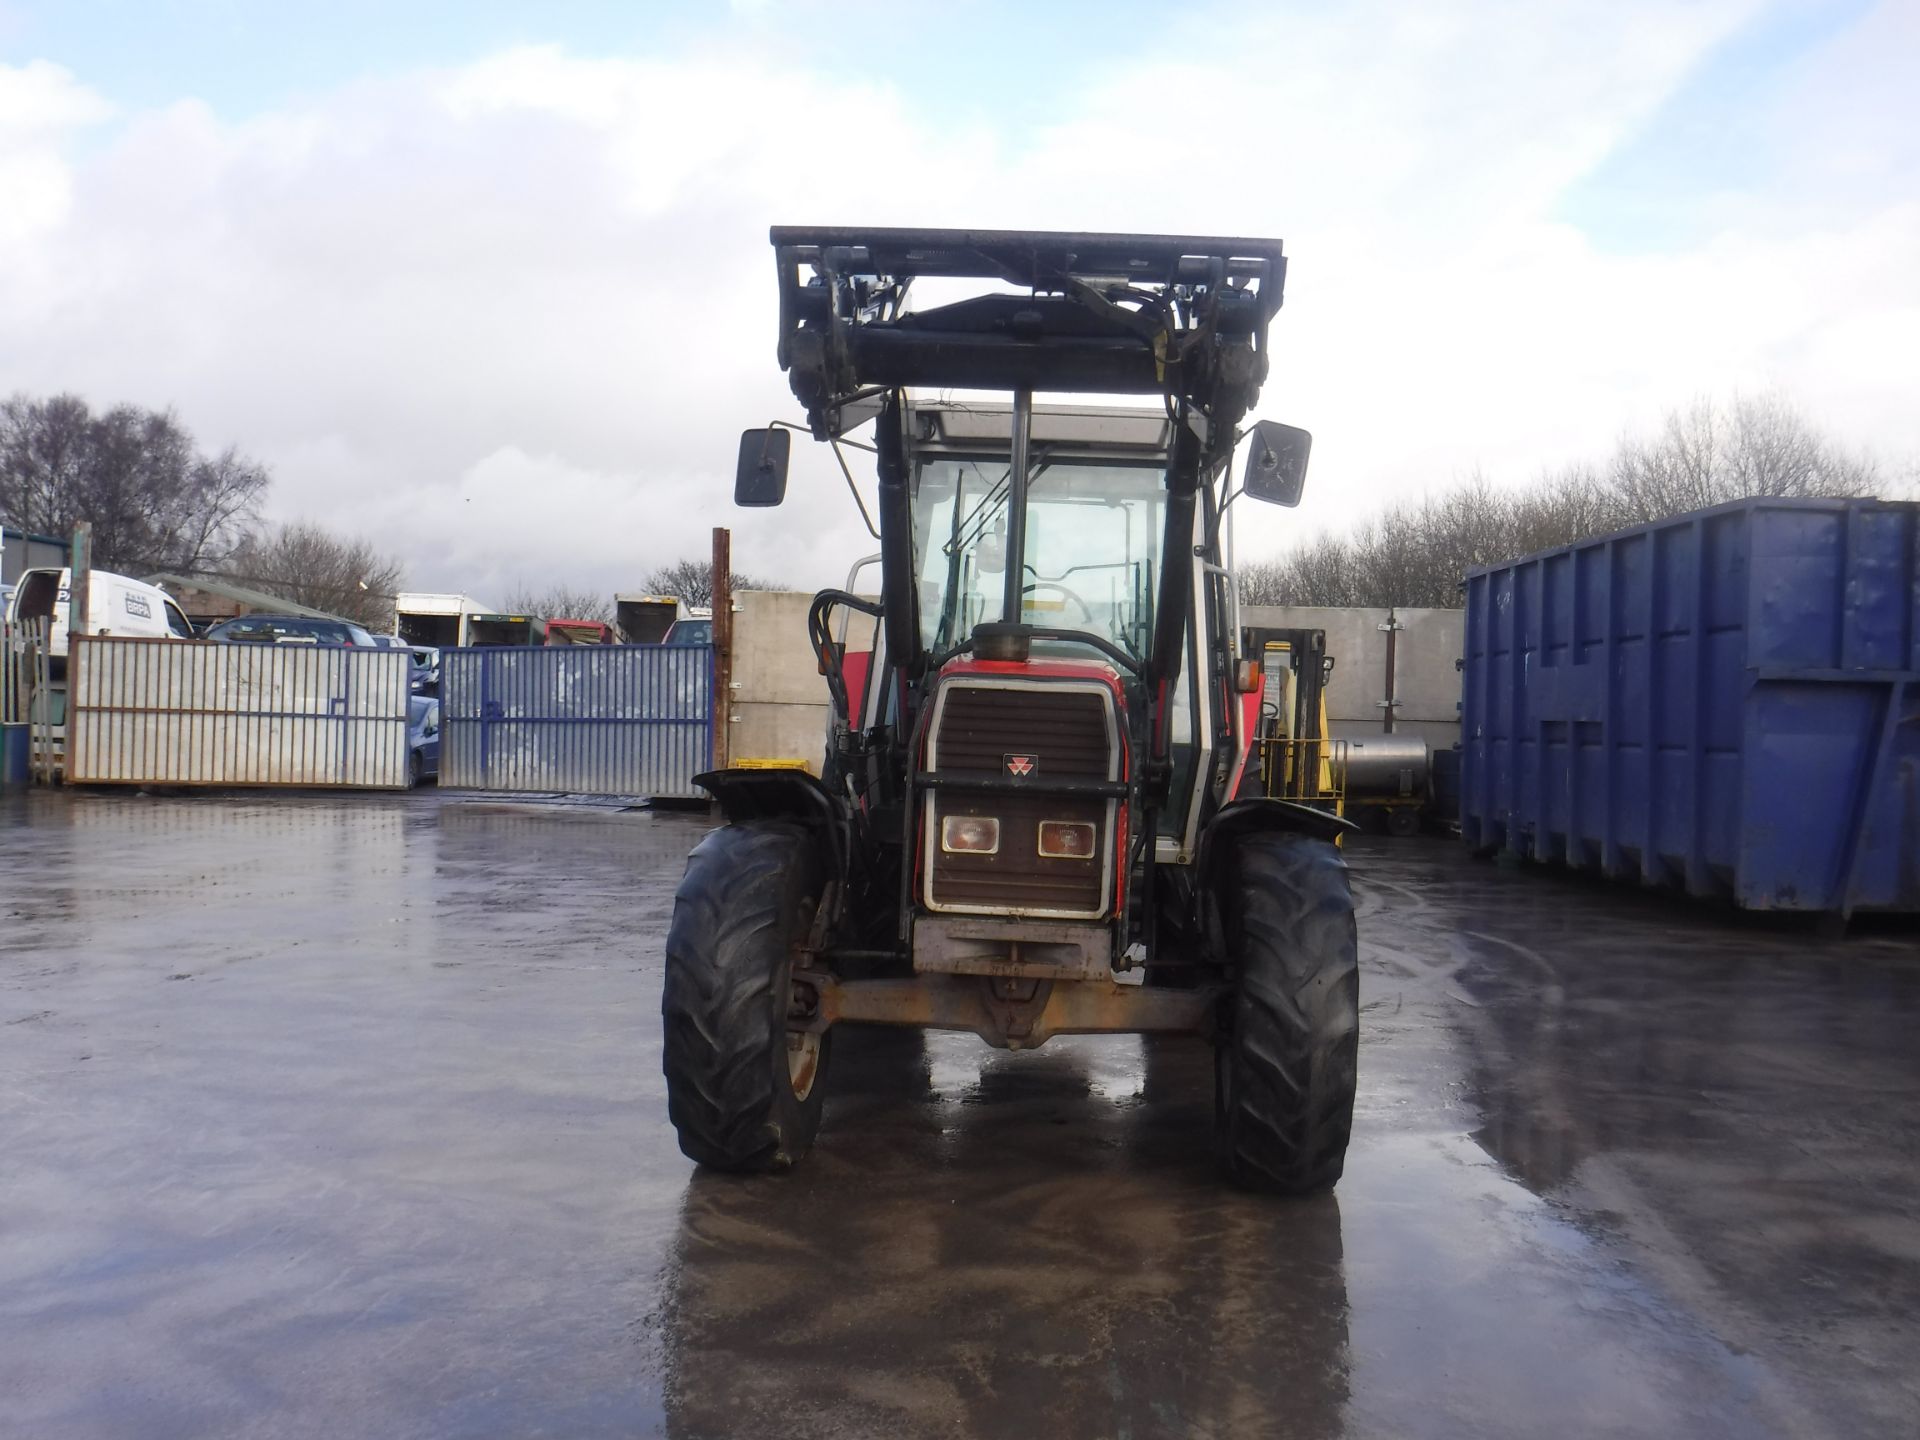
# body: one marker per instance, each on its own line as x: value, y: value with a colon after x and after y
x: 440, y: 620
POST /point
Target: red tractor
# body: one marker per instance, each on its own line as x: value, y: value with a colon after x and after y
x: 1037, y: 814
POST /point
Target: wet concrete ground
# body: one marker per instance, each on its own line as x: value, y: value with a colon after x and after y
x: 344, y: 1117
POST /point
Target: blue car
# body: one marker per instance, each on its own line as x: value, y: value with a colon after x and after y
x: 423, y: 739
x: 289, y: 630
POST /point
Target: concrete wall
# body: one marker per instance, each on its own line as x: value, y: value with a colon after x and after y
x: 1426, y: 684
x: 778, y: 708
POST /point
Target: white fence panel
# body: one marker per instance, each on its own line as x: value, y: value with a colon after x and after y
x: 168, y: 712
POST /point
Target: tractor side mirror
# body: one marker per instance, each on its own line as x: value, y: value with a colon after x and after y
x: 1277, y: 463
x: 761, y: 479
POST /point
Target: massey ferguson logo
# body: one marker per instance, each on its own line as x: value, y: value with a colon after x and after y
x: 1022, y: 765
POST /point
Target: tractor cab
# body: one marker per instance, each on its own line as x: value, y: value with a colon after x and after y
x: 1036, y: 814
x: 1091, y: 533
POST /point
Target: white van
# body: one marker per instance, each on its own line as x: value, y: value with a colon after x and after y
x: 116, y: 605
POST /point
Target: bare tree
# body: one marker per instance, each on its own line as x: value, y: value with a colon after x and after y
x: 311, y: 566
x: 45, y: 454
x: 155, y: 502
x: 1318, y: 572
x: 559, y: 602
x: 1416, y: 554
x: 1757, y: 446
x: 692, y: 581
x: 1270, y: 582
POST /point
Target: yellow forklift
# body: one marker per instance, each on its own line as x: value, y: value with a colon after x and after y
x: 1374, y: 779
x: 1298, y: 760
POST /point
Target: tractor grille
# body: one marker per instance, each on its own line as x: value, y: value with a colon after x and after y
x: 1064, y: 730
x: 981, y: 725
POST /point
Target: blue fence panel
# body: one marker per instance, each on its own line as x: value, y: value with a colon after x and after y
x: 1728, y: 702
x: 577, y: 719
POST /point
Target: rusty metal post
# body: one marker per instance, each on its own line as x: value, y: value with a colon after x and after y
x: 1391, y: 702
x: 722, y: 587
x: 80, y: 583
x: 79, y: 611
x: 41, y: 737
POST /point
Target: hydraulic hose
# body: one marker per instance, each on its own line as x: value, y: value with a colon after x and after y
x: 1176, y: 559
x: 897, y: 589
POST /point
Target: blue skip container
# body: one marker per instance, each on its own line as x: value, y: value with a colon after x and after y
x: 1727, y: 702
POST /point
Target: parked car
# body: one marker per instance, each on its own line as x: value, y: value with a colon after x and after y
x: 691, y: 631
x: 116, y: 605
x: 426, y: 669
x: 424, y: 678
x: 289, y: 630
x: 423, y: 739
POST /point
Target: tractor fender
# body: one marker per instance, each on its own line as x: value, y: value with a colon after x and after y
x: 784, y: 795
x: 1264, y: 816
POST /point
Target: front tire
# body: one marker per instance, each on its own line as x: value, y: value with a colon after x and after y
x: 1285, y: 1070
x: 744, y: 1093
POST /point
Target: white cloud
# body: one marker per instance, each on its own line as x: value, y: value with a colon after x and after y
x: 39, y: 98
x: 510, y: 317
x: 40, y: 104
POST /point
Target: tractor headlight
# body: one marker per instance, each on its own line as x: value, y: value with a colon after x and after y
x: 969, y: 835
x: 1067, y: 840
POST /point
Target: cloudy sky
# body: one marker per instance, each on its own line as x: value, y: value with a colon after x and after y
x: 496, y: 291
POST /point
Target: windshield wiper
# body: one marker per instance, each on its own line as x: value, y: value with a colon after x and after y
x: 999, y: 489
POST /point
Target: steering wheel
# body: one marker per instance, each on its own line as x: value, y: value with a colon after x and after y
x: 1085, y: 609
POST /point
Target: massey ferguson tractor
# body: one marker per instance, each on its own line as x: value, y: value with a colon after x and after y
x: 1040, y: 811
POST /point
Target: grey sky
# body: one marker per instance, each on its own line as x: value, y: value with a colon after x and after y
x: 505, y: 305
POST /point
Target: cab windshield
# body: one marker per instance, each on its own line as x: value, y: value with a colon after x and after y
x: 1093, y: 531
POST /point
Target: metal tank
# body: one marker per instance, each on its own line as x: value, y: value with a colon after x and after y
x: 1386, y: 767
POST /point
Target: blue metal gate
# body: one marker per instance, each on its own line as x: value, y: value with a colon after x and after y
x: 577, y: 719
